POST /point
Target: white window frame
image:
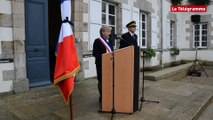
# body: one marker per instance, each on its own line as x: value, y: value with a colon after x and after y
x: 107, y: 15
x: 141, y: 29
x: 200, y: 35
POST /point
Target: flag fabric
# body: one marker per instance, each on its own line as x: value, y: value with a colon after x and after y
x: 67, y: 64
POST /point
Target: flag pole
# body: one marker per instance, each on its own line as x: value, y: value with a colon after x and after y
x: 71, y: 113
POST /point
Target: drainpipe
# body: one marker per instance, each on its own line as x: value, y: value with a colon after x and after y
x: 161, y: 39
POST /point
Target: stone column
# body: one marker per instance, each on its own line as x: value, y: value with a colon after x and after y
x: 77, y: 17
x: 21, y: 82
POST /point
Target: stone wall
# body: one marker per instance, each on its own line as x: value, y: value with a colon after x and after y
x: 6, y: 47
x: 12, y: 49
x: 79, y: 14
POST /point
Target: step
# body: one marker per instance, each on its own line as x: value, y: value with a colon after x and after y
x: 203, y: 113
x: 167, y: 72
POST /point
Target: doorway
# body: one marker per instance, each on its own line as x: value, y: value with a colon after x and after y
x: 54, y: 29
x: 42, y: 24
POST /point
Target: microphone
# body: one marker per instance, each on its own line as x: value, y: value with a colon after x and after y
x: 116, y: 36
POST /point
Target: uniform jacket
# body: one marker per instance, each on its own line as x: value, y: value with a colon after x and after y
x: 128, y: 40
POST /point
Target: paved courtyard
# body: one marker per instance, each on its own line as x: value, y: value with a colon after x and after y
x: 185, y: 99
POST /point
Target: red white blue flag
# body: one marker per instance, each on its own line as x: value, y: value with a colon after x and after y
x: 67, y: 64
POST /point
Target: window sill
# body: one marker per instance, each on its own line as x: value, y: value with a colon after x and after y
x: 201, y: 47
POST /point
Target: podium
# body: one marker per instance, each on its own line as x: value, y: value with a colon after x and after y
x: 126, y: 80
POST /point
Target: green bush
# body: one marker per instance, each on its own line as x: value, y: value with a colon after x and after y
x: 149, y: 52
x: 174, y: 51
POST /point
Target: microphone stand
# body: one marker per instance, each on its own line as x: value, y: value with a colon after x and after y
x: 143, y: 98
x: 113, y: 111
x: 192, y: 70
x: 113, y: 85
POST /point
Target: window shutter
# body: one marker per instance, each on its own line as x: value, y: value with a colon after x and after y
x: 168, y: 34
x: 126, y: 17
x: 95, y: 12
x: 177, y: 35
x: 154, y: 32
x: 136, y: 15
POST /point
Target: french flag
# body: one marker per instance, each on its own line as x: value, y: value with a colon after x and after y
x: 67, y: 64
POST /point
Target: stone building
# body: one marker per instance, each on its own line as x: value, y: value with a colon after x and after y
x: 29, y: 31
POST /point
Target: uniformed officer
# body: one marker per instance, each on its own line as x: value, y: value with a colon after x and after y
x: 101, y: 45
x: 130, y: 38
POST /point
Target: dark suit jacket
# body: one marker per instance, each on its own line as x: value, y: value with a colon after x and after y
x: 129, y: 40
x: 98, y: 50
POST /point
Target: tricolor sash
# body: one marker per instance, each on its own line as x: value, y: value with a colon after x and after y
x: 106, y: 45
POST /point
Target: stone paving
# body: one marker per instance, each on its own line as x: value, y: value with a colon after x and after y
x: 179, y: 100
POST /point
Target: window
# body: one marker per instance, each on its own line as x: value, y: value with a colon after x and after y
x: 172, y: 28
x: 143, y: 29
x: 109, y: 15
x: 109, y: 18
x: 200, y: 35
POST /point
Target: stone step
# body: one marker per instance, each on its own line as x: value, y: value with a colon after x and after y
x: 203, y: 113
x: 168, y: 72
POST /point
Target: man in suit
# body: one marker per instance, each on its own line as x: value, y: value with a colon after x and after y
x: 101, y: 46
x: 130, y: 38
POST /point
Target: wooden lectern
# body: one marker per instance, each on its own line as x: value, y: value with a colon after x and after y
x: 126, y: 79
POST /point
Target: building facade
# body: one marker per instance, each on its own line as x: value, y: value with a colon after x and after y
x: 29, y: 31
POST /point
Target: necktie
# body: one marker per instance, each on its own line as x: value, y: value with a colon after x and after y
x: 133, y: 36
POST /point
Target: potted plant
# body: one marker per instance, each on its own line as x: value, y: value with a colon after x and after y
x: 199, y: 2
x: 176, y: 2
x: 149, y: 53
x: 174, y: 51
